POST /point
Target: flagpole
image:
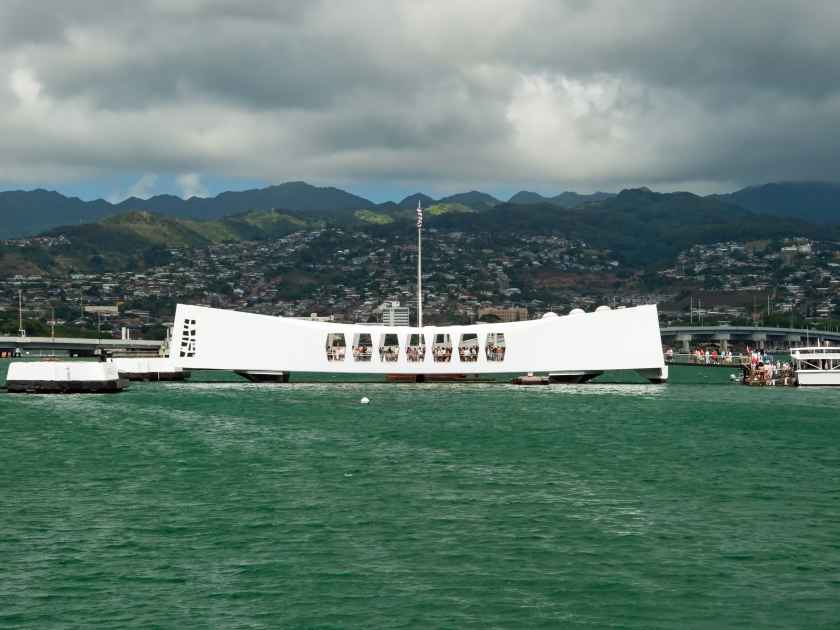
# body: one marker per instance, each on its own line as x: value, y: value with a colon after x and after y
x: 419, y: 265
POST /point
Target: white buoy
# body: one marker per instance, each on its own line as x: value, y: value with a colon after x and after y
x: 365, y: 400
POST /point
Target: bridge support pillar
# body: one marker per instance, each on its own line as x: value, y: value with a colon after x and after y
x: 685, y: 340
x: 723, y: 341
x: 760, y: 339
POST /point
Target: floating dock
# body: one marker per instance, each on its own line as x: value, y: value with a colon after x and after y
x: 63, y: 377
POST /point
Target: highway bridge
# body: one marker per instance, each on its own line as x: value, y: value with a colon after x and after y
x: 42, y: 346
x: 683, y: 337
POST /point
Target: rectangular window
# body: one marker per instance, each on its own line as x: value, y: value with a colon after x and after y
x: 389, y: 348
x: 442, y: 348
x: 495, y: 347
x: 336, y: 347
x: 468, y: 348
x: 362, y: 347
x: 415, y: 348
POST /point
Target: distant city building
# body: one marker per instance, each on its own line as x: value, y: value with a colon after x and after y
x: 394, y: 315
x: 102, y: 310
x: 512, y: 314
x: 791, y: 252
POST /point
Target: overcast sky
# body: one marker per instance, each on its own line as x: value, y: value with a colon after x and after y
x: 104, y: 98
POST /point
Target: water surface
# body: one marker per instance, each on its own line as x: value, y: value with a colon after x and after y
x: 698, y: 504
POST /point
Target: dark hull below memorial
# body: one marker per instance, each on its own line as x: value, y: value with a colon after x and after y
x: 437, y: 378
x: 263, y: 376
x: 155, y: 376
x: 573, y: 378
x: 66, y: 387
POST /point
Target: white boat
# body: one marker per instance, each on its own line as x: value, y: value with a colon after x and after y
x: 573, y: 348
x: 816, y: 365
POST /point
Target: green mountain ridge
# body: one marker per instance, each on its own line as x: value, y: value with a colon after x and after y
x: 25, y: 212
x: 640, y: 227
x: 410, y: 202
x: 474, y: 199
x: 565, y: 199
x: 818, y: 202
x: 138, y: 239
x: 32, y: 212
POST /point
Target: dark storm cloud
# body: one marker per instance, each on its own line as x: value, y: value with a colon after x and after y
x: 574, y: 94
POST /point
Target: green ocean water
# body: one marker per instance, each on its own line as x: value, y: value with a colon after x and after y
x: 698, y: 504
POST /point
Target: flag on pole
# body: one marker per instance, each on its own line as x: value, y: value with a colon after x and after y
x: 419, y: 216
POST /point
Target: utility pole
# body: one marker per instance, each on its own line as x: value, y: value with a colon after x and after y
x: 21, y: 331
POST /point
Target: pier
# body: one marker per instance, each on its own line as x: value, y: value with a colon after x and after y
x: 738, y: 361
x: 749, y: 374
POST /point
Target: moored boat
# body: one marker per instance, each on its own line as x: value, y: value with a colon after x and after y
x: 531, y: 379
x: 817, y: 365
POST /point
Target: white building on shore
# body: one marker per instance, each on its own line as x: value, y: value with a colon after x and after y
x: 394, y: 315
